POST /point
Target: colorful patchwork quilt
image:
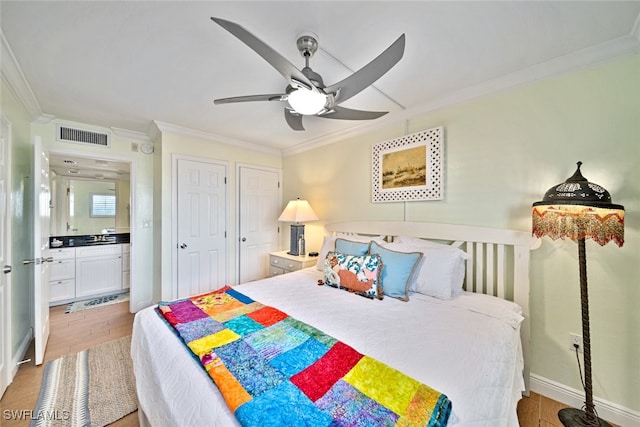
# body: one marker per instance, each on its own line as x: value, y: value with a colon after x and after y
x: 275, y: 370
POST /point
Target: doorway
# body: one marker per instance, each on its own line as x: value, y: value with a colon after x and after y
x: 78, y: 182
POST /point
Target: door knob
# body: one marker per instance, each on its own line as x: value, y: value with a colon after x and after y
x: 244, y: 239
x: 183, y: 246
x: 6, y: 269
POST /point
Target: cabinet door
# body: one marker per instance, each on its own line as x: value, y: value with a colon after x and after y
x: 98, y: 275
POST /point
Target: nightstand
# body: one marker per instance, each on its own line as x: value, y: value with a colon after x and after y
x: 281, y: 262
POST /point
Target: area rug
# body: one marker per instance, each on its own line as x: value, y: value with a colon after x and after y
x: 94, y: 387
x: 72, y: 307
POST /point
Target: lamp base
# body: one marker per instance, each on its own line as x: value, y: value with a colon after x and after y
x: 571, y: 417
x: 297, y: 230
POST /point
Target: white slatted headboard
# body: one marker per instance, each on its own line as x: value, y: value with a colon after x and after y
x: 498, y: 261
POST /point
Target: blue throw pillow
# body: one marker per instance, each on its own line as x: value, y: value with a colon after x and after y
x: 397, y: 270
x: 349, y: 247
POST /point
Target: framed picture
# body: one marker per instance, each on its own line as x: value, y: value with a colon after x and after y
x: 408, y: 168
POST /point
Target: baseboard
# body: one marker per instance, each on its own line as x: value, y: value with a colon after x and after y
x: 22, y: 350
x: 609, y: 411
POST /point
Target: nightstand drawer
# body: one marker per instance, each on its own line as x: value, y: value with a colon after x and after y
x: 285, y: 264
x: 275, y: 271
x: 282, y: 262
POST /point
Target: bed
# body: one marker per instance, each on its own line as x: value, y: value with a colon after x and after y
x: 472, y: 346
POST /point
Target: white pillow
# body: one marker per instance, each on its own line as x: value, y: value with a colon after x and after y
x: 441, y: 270
x: 329, y: 244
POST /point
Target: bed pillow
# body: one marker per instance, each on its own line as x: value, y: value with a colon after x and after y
x: 440, y: 272
x: 359, y: 274
x: 329, y: 244
x: 459, y: 269
x: 350, y: 247
x: 397, y: 271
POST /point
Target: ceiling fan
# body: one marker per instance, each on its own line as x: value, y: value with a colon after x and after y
x: 306, y: 93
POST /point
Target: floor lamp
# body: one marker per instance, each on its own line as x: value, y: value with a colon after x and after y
x: 297, y: 211
x: 578, y: 209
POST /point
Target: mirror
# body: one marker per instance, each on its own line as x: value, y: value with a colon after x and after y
x: 89, y: 196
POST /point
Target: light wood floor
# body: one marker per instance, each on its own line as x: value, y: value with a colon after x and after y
x: 78, y: 331
x: 69, y: 333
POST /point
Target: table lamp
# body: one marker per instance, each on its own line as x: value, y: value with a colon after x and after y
x: 579, y: 209
x: 297, y: 211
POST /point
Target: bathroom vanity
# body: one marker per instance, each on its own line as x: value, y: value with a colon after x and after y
x: 88, y: 266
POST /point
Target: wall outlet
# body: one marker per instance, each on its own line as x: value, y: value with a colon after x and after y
x: 575, y: 339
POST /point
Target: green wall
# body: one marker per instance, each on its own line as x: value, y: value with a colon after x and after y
x: 502, y: 152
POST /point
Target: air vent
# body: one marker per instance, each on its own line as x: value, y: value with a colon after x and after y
x: 81, y: 136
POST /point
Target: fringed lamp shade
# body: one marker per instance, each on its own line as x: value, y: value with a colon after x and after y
x: 579, y: 209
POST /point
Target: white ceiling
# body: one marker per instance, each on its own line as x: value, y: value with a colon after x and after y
x: 125, y: 65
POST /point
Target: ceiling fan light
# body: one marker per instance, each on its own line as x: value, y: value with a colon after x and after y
x: 308, y: 102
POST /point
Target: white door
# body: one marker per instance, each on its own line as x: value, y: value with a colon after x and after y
x: 41, y: 259
x: 5, y: 255
x: 259, y: 207
x: 201, y: 227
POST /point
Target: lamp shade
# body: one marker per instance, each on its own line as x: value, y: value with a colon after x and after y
x: 298, y: 211
x: 578, y: 209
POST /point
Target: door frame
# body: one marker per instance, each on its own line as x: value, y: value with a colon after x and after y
x: 133, y: 290
x: 174, y: 214
x: 239, y: 167
x: 10, y: 368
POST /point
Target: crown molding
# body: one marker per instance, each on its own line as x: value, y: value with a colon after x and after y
x: 180, y: 130
x: 582, y: 59
x: 15, y: 80
x: 130, y: 134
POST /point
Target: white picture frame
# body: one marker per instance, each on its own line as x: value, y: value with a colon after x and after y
x: 408, y: 168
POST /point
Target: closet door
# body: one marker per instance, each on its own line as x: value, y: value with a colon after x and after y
x: 201, y: 227
x: 259, y: 205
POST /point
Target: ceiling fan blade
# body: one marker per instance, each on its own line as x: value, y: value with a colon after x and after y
x: 277, y: 61
x: 368, y: 74
x: 349, y: 114
x: 293, y: 120
x: 252, y: 98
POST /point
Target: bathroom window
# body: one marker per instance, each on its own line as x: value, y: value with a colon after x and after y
x: 102, y: 205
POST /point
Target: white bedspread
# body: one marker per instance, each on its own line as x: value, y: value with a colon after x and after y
x: 468, y: 348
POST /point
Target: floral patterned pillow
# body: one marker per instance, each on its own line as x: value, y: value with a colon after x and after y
x: 359, y: 274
